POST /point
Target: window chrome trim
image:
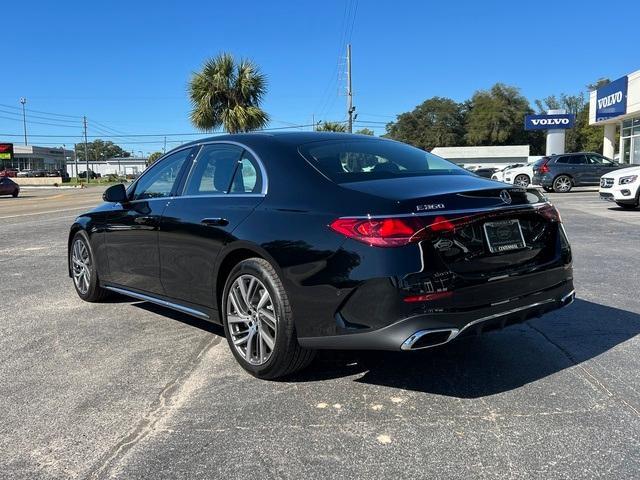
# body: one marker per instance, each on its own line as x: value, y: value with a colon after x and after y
x: 158, y: 301
x: 263, y: 171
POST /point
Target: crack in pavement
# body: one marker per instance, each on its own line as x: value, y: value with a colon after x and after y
x: 172, y: 396
x: 587, y: 375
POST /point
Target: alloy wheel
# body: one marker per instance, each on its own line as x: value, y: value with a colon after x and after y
x: 562, y: 184
x: 251, y: 319
x: 81, y: 260
x: 521, y: 181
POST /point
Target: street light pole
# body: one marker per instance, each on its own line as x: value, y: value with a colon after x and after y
x: 24, y: 118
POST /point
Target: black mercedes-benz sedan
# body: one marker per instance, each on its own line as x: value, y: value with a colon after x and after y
x: 303, y: 241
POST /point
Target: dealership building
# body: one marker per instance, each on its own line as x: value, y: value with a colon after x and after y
x: 617, y: 104
x: 31, y: 157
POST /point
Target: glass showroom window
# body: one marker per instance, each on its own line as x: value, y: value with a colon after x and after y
x: 630, y: 141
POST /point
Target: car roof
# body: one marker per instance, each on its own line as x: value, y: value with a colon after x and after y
x: 288, y: 137
x: 574, y: 153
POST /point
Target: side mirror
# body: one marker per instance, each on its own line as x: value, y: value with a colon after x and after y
x: 115, y: 194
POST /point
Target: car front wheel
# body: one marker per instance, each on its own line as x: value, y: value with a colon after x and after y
x: 15, y: 193
x: 562, y: 184
x: 83, y: 270
x: 258, y: 322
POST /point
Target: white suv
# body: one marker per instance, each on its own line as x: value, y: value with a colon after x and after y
x: 622, y: 186
x: 519, y: 175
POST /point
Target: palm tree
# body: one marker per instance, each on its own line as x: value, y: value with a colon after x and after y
x: 331, y: 127
x: 228, y: 94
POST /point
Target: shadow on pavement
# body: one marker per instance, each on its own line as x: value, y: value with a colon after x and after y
x: 492, y: 363
x: 470, y: 367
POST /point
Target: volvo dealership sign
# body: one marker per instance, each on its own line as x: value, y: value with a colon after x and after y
x: 611, y: 100
x: 556, y: 121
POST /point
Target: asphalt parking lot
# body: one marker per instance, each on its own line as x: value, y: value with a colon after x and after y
x: 129, y: 390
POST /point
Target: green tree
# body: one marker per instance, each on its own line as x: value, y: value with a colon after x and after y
x: 436, y: 122
x: 365, y: 131
x: 331, y: 127
x: 153, y: 157
x: 496, y: 117
x: 100, y: 150
x: 228, y: 94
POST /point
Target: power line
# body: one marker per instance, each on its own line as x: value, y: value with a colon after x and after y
x: 142, y: 135
x: 39, y: 123
x: 79, y: 117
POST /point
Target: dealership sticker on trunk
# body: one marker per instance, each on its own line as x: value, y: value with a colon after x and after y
x: 504, y: 236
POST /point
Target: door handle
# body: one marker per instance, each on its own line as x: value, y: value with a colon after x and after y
x: 151, y: 220
x: 215, y: 222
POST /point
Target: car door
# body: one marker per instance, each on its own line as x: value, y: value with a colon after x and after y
x: 5, y: 186
x: 579, y: 169
x: 131, y: 228
x: 604, y: 165
x: 224, y: 186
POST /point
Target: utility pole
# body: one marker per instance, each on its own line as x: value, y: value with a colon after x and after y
x: 164, y: 149
x: 75, y: 158
x: 24, y: 118
x: 86, y: 151
x: 350, y: 107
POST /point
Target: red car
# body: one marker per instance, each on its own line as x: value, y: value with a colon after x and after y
x: 8, y: 172
x: 9, y: 187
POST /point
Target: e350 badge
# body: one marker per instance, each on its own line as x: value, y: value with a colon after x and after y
x: 430, y: 206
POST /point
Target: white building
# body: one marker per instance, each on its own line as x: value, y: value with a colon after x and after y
x: 618, y: 105
x: 31, y: 157
x: 112, y: 166
x: 491, y: 156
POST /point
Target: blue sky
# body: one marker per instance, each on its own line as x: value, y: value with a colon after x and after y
x: 126, y: 64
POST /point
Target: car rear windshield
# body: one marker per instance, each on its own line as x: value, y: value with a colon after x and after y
x: 356, y: 160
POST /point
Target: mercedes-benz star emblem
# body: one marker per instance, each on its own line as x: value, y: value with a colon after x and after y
x: 505, y: 197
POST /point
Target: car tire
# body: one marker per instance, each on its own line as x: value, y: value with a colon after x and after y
x: 522, y: 180
x: 627, y: 206
x: 15, y: 193
x: 83, y: 270
x: 250, y: 327
x: 562, y: 184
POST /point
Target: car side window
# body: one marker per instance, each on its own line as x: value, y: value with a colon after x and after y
x: 213, y: 170
x: 562, y: 160
x: 248, y: 178
x: 160, y: 180
x: 578, y: 160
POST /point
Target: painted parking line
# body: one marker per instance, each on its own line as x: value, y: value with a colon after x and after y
x: 46, y: 212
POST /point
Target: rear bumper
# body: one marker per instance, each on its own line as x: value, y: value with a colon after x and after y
x: 431, y: 329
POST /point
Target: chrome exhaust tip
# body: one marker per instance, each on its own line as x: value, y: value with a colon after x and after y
x: 429, y: 338
x: 568, y: 298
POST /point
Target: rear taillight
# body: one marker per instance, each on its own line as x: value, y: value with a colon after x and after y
x: 390, y: 232
x: 544, y: 168
x: 550, y: 212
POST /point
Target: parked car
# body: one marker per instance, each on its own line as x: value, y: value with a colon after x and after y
x: 8, y: 172
x: 24, y: 173
x: 58, y: 173
x: 485, y: 172
x: 622, y: 186
x: 560, y: 173
x: 308, y: 240
x: 520, y: 176
x: 499, y: 175
x: 9, y: 187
